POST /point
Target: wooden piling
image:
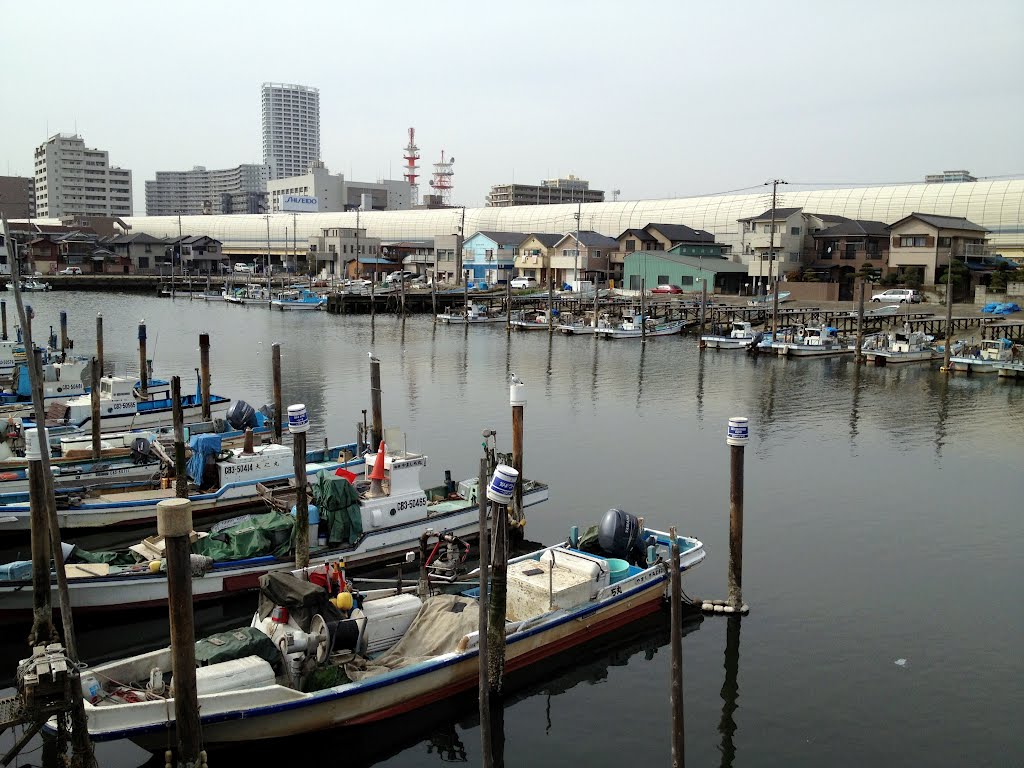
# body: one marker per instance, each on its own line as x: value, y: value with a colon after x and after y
x: 174, y: 523
x: 551, y: 305
x: 301, y: 501
x: 482, y: 633
x: 143, y: 367
x: 64, y: 343
x: 3, y: 319
x: 278, y: 402
x: 947, y: 351
x: 204, y: 374
x: 377, y: 431
x: 643, y: 312
x: 99, y: 341
x: 736, y: 521
x: 94, y: 403
x: 42, y: 631
x: 517, y: 397
x: 703, y: 305
x: 177, y: 417
x: 496, y: 604
x: 676, y: 640
x: 433, y: 297
x: 859, y: 352
x: 508, y: 306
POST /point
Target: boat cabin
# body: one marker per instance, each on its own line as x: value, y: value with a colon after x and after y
x: 996, y: 349
x: 741, y: 330
x: 403, y: 497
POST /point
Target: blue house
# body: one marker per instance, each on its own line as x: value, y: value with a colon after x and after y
x: 489, y: 257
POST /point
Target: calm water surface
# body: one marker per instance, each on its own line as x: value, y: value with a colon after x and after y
x: 883, y: 522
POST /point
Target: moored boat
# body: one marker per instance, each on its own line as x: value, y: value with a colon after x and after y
x: 473, y: 313
x: 740, y: 336
x: 986, y: 357
x: 631, y: 328
x: 901, y: 346
x: 760, y: 301
x: 812, y: 341
x: 529, y: 321
x: 304, y: 299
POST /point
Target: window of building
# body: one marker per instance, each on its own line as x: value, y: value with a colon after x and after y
x: 634, y: 282
x: 794, y: 230
x: 913, y: 241
x: 662, y: 279
x: 143, y: 262
x: 686, y: 280
x: 630, y: 246
x: 945, y: 242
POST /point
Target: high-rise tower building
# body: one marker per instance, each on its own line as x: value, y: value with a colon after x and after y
x: 74, y: 180
x: 291, y: 128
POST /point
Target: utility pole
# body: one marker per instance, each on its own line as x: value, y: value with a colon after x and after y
x: 579, y: 216
x: 295, y: 242
x: 771, y: 256
x: 459, y: 238
x: 271, y: 306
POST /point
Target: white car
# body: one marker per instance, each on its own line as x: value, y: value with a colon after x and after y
x: 70, y: 271
x: 899, y: 296
x: 525, y: 282
x: 395, y: 277
x: 246, y: 268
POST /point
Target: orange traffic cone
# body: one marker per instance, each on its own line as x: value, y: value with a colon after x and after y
x: 377, y: 474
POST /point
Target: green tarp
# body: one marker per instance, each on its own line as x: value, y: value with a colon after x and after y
x: 253, y: 535
x: 338, y: 502
x: 79, y: 555
x: 236, y: 644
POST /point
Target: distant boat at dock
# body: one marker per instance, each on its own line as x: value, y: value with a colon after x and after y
x: 902, y: 346
x: 740, y: 336
x: 760, y: 301
x: 631, y: 328
x: 473, y: 313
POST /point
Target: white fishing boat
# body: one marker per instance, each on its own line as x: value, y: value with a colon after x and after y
x: 474, y: 313
x: 740, y: 336
x: 529, y: 321
x: 61, y: 379
x: 377, y: 529
x: 32, y: 284
x: 225, y: 484
x: 1014, y: 370
x: 254, y: 295
x: 630, y: 328
x: 986, y: 357
x: 580, y: 325
x: 760, y: 301
x: 303, y: 299
x: 812, y: 341
x: 310, y: 661
x: 123, y: 406
x: 901, y: 346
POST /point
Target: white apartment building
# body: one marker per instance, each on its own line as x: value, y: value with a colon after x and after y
x: 291, y: 128
x: 197, y: 192
x: 73, y: 180
x: 333, y: 193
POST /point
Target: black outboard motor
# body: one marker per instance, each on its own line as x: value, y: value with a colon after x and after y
x: 241, y: 415
x: 619, y: 536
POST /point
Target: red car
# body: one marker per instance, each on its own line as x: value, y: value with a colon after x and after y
x: 666, y: 288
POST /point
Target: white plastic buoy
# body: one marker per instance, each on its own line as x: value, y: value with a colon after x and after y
x: 503, y: 484
x: 718, y: 602
x: 745, y: 609
x: 298, y: 419
x: 707, y: 607
x: 739, y: 431
x: 728, y: 609
x: 719, y: 608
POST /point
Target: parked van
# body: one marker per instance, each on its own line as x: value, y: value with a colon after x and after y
x: 246, y: 268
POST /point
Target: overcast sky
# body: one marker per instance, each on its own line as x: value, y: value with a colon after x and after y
x: 656, y: 99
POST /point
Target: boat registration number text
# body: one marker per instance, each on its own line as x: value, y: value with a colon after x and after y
x: 411, y: 503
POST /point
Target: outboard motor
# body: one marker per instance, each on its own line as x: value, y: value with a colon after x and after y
x: 140, y: 450
x: 241, y: 415
x: 619, y: 535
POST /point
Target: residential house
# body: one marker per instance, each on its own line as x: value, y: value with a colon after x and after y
x: 446, y: 266
x: 842, y: 249
x: 105, y: 261
x: 489, y: 257
x: 924, y: 242
x: 347, y: 251
x: 143, y: 252
x: 535, y: 254
x: 780, y: 241
x: 414, y: 255
x: 657, y: 237
x: 679, y: 266
x: 583, y: 255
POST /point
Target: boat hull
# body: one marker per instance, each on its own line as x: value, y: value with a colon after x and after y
x: 577, y: 330
x: 667, y: 329
x: 973, y: 365
x: 295, y: 306
x: 726, y: 342
x: 885, y: 357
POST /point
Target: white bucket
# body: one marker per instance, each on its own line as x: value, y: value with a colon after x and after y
x: 503, y: 484
x: 739, y: 431
x: 298, y: 419
x: 32, y: 443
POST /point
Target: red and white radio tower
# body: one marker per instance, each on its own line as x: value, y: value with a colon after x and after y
x: 442, y: 181
x: 412, y: 154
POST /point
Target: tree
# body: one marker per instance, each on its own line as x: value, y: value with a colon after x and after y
x: 810, y: 276
x: 866, y: 271
x: 998, y: 280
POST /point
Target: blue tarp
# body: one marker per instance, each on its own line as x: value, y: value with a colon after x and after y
x: 202, y: 446
x: 1000, y: 308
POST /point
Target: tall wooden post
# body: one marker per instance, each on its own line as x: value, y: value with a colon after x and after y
x: 174, y: 523
x: 401, y: 284
x: 947, y: 352
x: 496, y: 605
x: 204, y: 374
x: 676, y: 640
x: 64, y: 344
x: 377, y: 431
x: 737, y: 438
x: 42, y: 614
x: 94, y: 402
x: 597, y: 305
x: 859, y: 353
x: 517, y: 399
x: 178, y: 419
x: 298, y: 424
x: 3, y: 319
x: 703, y: 304
x: 508, y: 306
x: 99, y: 341
x: 278, y: 401
x: 143, y: 367
x: 551, y: 304
x: 433, y: 295
x: 643, y: 311
x: 482, y: 606
x: 465, y: 293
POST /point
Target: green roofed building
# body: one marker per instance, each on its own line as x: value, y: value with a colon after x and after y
x: 686, y: 265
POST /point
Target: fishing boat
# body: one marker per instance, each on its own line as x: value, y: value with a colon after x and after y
x: 34, y: 285
x: 529, y: 321
x: 321, y: 654
x: 812, y: 341
x: 369, y: 530
x: 123, y: 406
x: 222, y: 481
x: 304, y: 299
x: 61, y: 379
x: 760, y: 301
x: 741, y: 336
x: 986, y: 357
x: 254, y: 295
x: 473, y: 313
x: 630, y: 328
x: 579, y: 325
x: 900, y: 346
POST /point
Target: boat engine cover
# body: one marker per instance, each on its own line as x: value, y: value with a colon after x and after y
x: 619, y: 536
x: 241, y: 415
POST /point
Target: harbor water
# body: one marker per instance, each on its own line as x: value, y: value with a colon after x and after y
x: 883, y: 515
